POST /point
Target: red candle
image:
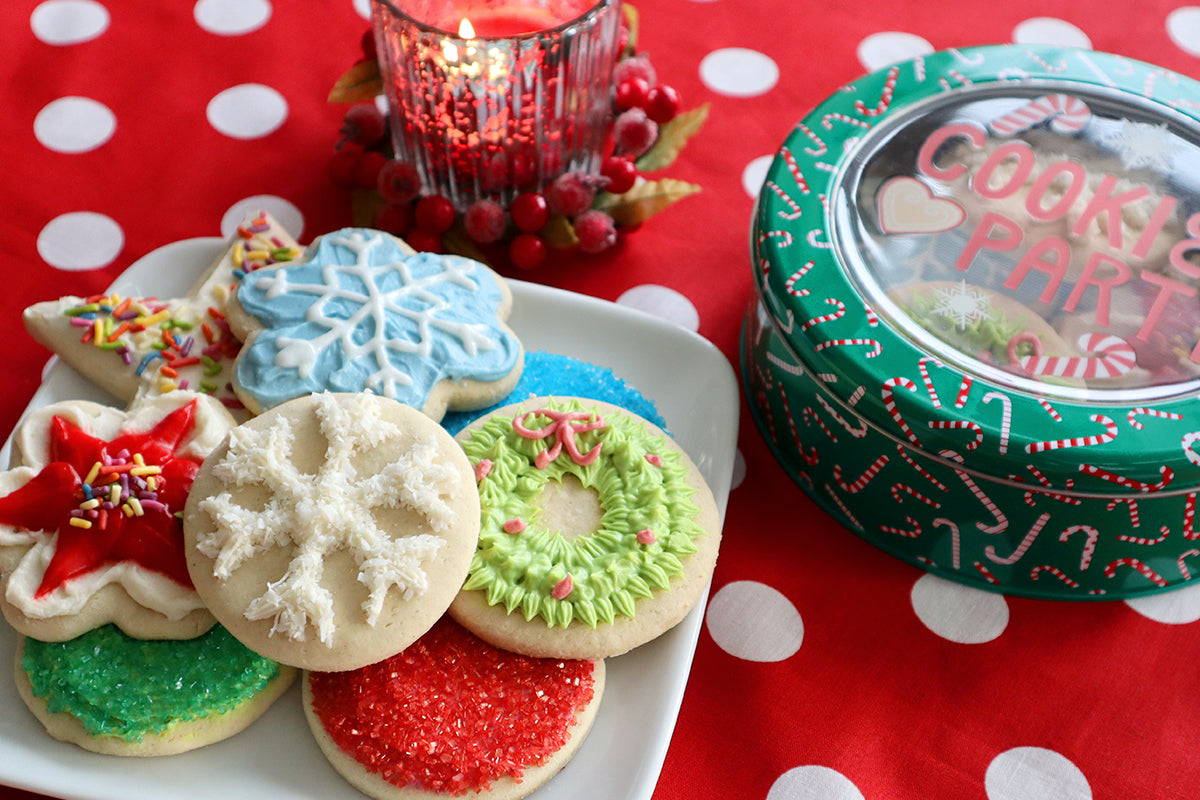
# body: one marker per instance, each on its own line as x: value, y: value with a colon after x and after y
x: 502, y: 23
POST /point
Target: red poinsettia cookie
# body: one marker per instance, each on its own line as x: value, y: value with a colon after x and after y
x: 88, y: 527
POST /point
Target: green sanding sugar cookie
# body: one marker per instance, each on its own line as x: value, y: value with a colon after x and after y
x: 119, y: 686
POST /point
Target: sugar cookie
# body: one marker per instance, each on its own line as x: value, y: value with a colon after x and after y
x: 331, y: 531
x: 598, y: 532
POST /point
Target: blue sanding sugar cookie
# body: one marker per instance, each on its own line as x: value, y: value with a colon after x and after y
x: 563, y: 376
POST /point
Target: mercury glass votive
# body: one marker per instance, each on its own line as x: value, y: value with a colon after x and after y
x: 492, y: 97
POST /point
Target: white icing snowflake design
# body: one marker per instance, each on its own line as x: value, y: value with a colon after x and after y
x: 327, y: 511
x: 1142, y: 145
x: 361, y: 314
x: 963, y: 304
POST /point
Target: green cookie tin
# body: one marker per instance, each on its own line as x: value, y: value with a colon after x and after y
x: 976, y: 336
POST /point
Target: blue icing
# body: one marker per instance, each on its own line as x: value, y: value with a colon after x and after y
x: 361, y: 314
x: 563, y: 376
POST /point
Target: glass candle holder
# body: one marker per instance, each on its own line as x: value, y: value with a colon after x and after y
x: 489, y: 98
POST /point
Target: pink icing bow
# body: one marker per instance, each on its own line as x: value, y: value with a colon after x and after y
x: 564, y: 431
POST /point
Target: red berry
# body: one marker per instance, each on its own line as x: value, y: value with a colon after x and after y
x: 342, y: 166
x: 399, y: 181
x: 596, y: 231
x: 632, y: 93
x: 395, y: 218
x: 527, y: 251
x: 434, y: 214
x: 484, y: 221
x: 364, y: 125
x: 621, y: 174
x: 662, y: 104
x: 424, y: 241
x: 366, y: 171
x: 529, y: 211
x: 634, y: 132
x: 571, y: 193
x: 638, y: 67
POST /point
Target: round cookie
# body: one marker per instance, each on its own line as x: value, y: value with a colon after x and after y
x: 116, y: 695
x: 89, y: 532
x: 453, y: 716
x: 333, y: 530
x: 598, y: 532
x: 361, y: 311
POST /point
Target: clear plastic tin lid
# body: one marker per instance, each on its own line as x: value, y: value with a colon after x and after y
x: 1011, y: 222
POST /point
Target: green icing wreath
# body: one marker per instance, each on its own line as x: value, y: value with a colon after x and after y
x: 641, y: 484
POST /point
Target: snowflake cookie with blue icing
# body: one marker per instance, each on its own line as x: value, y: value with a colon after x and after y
x: 361, y: 311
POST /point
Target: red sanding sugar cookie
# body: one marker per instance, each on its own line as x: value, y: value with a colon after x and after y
x: 453, y: 716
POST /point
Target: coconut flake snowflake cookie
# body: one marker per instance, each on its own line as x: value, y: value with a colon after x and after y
x: 598, y: 532
x: 363, y: 312
x: 333, y: 530
x: 88, y: 527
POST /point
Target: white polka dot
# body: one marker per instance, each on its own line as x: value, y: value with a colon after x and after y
x: 66, y: 22
x: 889, y: 47
x: 80, y: 240
x: 248, y: 111
x: 1023, y: 773
x: 1183, y: 26
x: 285, y: 213
x: 232, y: 17
x: 739, y: 72
x: 959, y: 613
x: 363, y: 7
x: 1052, y: 31
x: 755, y: 174
x: 739, y: 470
x: 74, y: 125
x: 813, y: 783
x: 1176, y: 607
x: 752, y: 621
x: 663, y: 302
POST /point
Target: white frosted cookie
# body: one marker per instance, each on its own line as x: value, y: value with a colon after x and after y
x: 111, y: 694
x: 598, y: 532
x: 423, y: 724
x: 88, y: 525
x: 135, y: 346
x: 361, y: 311
x: 333, y: 530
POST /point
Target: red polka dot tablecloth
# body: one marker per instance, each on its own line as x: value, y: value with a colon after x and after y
x: 825, y: 669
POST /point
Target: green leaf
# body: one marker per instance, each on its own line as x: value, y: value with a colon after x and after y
x: 632, y: 23
x: 361, y: 82
x: 672, y: 137
x: 644, y: 200
x: 558, y: 232
x: 456, y: 242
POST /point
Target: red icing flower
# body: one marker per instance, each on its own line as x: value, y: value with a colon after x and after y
x: 109, y: 501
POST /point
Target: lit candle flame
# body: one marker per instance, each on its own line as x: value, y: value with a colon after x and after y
x: 466, y: 30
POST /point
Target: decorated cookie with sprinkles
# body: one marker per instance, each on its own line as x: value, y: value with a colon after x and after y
x: 333, y: 530
x: 89, y: 526
x: 361, y: 311
x: 116, y: 695
x: 598, y: 532
x: 132, y: 346
x: 452, y: 716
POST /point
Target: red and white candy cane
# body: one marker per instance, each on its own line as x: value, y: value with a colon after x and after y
x: 1166, y: 472
x: 812, y: 417
x: 911, y: 532
x: 1005, y: 419
x: 960, y: 424
x: 820, y: 147
x: 853, y: 519
x: 1051, y: 410
x: 795, y: 212
x: 1164, y: 532
x: 1022, y: 548
x: 1133, y: 563
x: 1186, y: 442
x: 857, y: 431
x: 810, y: 458
x: 885, y: 99
x: 785, y: 238
x: 829, y: 119
x: 1066, y: 114
x: 794, y: 169
x: 904, y: 488
x: 1089, y: 544
x: 1134, y: 413
x: 923, y: 366
x: 1189, y: 517
x: 876, y: 347
x: 861, y: 481
x: 838, y: 312
x: 887, y: 392
x: 955, y: 542
x: 1135, y: 518
x: 1110, y: 433
x: 1036, y: 572
x: 1045, y: 482
x: 924, y: 473
x: 1184, y: 556
x: 1001, y: 518
x: 964, y: 390
x: 872, y: 317
x: 1113, y: 357
x: 789, y: 285
x: 987, y: 574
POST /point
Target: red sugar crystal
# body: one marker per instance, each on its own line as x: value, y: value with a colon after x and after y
x: 451, y: 713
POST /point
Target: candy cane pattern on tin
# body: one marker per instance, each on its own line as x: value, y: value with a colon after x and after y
x: 863, y: 480
x: 811, y: 417
x: 1165, y: 471
x: 1036, y: 572
x: 885, y: 99
x: 1134, y: 413
x: 1110, y: 433
x: 1066, y: 114
x: 1189, y: 517
x: 1051, y: 410
x: 1164, y: 532
x: 1005, y: 419
x: 1187, y: 441
x: 790, y: 284
x: 923, y: 367
x: 911, y: 532
x: 987, y: 574
x: 898, y: 488
x: 955, y: 540
x: 809, y: 458
x: 1113, y: 358
x: 857, y: 431
x: 1089, y: 544
x: 960, y: 424
x: 924, y: 473
x: 794, y: 169
x: 1023, y: 547
x: 838, y: 312
x: 876, y: 347
x: 853, y: 519
x: 829, y: 119
x: 795, y: 212
x: 1068, y: 484
x: 1000, y: 517
x: 1183, y: 557
x: 887, y: 392
x: 820, y: 148
x: 964, y: 390
x: 1136, y: 564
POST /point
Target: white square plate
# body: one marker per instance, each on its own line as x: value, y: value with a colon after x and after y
x: 694, y: 388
